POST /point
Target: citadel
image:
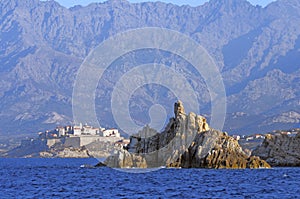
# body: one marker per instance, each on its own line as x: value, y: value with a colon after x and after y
x: 79, y: 135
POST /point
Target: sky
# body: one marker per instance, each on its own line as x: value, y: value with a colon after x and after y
x: 70, y: 3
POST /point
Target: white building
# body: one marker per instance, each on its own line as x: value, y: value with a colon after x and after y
x: 85, y: 130
x: 91, y: 131
x: 110, y: 133
x: 78, y: 130
x: 88, y: 130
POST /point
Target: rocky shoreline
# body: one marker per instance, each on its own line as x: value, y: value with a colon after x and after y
x: 280, y: 150
x: 38, y: 148
x: 187, y: 142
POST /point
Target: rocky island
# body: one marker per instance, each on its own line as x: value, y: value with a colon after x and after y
x: 186, y: 142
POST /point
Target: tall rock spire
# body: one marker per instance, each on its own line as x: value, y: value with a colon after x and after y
x: 178, y: 108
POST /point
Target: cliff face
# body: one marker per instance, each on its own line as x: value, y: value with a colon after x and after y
x: 280, y: 150
x: 187, y: 142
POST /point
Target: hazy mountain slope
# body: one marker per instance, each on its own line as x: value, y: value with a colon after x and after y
x: 42, y: 45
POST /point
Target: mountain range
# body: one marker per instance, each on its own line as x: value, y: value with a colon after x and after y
x: 43, y: 44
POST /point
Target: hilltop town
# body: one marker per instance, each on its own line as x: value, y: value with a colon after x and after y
x: 78, y: 141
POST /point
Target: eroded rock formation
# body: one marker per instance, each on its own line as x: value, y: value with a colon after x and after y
x: 186, y: 142
x: 280, y: 150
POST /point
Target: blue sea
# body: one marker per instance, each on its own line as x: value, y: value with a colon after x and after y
x: 64, y: 178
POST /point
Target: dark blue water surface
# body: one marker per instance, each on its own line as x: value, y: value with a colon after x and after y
x: 63, y: 178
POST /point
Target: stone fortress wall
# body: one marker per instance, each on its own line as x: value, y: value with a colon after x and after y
x: 79, y: 141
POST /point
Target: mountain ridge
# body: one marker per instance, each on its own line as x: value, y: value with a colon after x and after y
x: 43, y: 45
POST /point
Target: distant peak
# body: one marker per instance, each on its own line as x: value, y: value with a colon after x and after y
x: 229, y: 5
x: 230, y: 2
x: 117, y: 1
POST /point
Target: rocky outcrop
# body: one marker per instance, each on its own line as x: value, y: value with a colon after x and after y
x: 178, y: 108
x: 96, y: 149
x: 186, y: 142
x: 64, y: 147
x: 69, y: 152
x: 215, y: 149
x: 280, y: 150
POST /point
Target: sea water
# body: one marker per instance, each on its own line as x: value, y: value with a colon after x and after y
x: 65, y: 178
